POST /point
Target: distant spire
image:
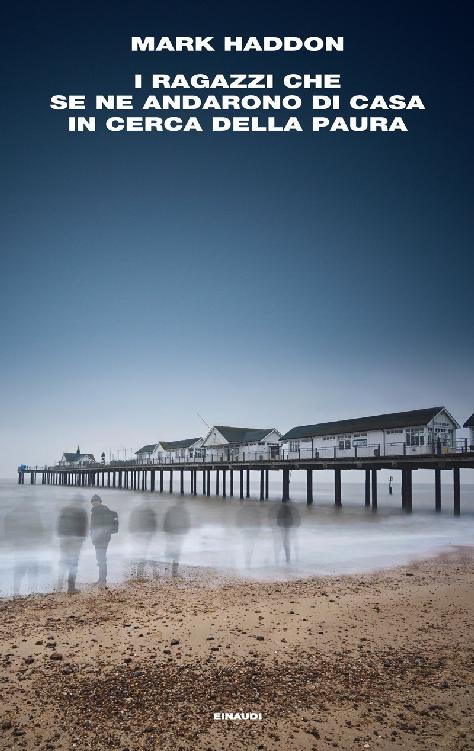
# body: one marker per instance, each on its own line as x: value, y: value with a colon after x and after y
x: 78, y: 450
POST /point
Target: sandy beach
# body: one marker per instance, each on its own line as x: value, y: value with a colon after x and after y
x: 375, y: 661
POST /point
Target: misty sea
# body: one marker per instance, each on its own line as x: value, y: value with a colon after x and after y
x: 247, y: 538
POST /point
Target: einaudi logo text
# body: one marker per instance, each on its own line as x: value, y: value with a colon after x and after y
x: 237, y: 715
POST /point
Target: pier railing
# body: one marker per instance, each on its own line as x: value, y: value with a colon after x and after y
x: 269, y: 454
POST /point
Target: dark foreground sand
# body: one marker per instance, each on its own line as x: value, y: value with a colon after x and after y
x: 381, y: 661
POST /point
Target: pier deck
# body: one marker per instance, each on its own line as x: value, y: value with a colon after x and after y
x: 151, y: 476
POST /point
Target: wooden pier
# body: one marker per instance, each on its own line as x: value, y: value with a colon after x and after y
x: 234, y: 477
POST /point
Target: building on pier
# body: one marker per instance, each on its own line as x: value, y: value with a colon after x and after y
x: 189, y: 449
x: 470, y: 424
x: 226, y: 443
x: 76, y: 459
x: 419, y: 431
x: 169, y: 452
x: 146, y: 453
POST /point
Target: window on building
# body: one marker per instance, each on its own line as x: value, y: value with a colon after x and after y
x: 344, y: 443
x: 294, y: 445
x: 415, y: 436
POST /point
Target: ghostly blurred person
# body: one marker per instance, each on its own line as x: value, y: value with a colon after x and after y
x: 287, y: 521
x: 247, y: 521
x: 142, y: 526
x: 104, y: 523
x: 71, y: 529
x: 25, y: 533
x: 176, y: 525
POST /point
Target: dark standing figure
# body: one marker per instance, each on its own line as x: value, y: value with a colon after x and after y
x: 176, y: 525
x: 390, y: 489
x: 72, y: 530
x: 104, y: 523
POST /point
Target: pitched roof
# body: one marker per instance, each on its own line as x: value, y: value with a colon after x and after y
x: 148, y: 449
x: 186, y: 443
x: 74, y: 457
x: 243, y: 435
x: 469, y: 422
x: 375, y: 422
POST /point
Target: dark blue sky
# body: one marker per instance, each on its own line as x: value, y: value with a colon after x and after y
x: 257, y: 279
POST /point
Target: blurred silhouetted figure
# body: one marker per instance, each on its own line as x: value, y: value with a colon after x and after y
x: 176, y: 525
x: 25, y: 532
x: 142, y: 526
x: 71, y: 529
x: 104, y: 523
x: 287, y: 519
x: 247, y: 520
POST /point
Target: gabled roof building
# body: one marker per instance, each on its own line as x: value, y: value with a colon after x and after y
x: 394, y: 433
x: 165, y: 452
x: 227, y: 443
x: 76, y: 458
x: 470, y: 424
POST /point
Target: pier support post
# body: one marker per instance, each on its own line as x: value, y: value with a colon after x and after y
x: 309, y: 487
x: 266, y: 484
x: 456, y: 491
x: 374, y: 490
x: 286, y: 485
x: 153, y: 479
x: 161, y: 480
x: 224, y: 483
x: 337, y: 487
x: 217, y: 482
x: 204, y: 482
x: 208, y: 489
x: 241, y: 485
x: 248, y: 484
x: 409, y: 482
x: 437, y: 490
x: 194, y: 471
x: 171, y: 481
x: 231, y: 482
x: 407, y: 490
x: 367, y: 488
x: 181, y: 481
x: 262, y: 484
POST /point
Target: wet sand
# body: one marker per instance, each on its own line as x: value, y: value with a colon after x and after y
x: 376, y: 661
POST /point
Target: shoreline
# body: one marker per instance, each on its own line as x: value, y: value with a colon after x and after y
x: 383, y: 658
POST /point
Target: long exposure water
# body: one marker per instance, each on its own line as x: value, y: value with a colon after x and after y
x: 249, y: 538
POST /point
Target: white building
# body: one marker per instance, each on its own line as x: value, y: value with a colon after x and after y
x: 187, y: 450
x: 470, y: 424
x: 170, y: 452
x: 146, y: 453
x: 419, y: 431
x: 225, y: 443
x: 76, y: 459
